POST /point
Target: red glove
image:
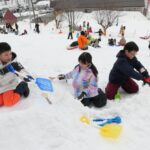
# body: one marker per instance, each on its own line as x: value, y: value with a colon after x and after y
x: 147, y: 80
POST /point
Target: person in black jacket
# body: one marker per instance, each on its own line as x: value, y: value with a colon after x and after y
x: 37, y: 28
x: 17, y: 27
x: 126, y: 67
x: 100, y: 33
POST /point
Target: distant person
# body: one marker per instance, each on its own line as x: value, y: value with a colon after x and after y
x: 24, y: 33
x: 122, y: 41
x: 122, y: 30
x: 16, y: 27
x: 88, y: 25
x: 37, y: 28
x: 74, y: 44
x: 1, y: 16
x: 84, y: 24
x: 70, y: 35
x: 80, y: 28
x: 83, y: 41
x: 100, y: 33
x: 111, y: 42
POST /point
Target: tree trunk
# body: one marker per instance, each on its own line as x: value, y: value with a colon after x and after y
x: 33, y: 9
x: 105, y: 29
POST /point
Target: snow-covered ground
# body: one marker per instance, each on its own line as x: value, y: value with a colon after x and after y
x: 34, y: 124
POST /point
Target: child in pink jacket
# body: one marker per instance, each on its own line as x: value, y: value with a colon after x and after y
x: 85, y: 82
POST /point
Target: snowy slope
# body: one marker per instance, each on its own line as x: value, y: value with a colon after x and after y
x: 34, y: 124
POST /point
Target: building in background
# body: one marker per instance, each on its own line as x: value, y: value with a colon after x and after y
x: 133, y: 5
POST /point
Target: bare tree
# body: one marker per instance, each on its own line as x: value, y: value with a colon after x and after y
x: 73, y: 17
x: 33, y: 8
x: 68, y: 7
x: 59, y: 18
x: 106, y: 18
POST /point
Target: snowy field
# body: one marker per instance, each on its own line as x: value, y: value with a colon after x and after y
x: 34, y: 124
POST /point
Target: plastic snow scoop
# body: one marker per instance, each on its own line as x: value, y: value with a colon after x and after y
x: 42, y: 83
x: 45, y: 95
x: 116, y: 120
x: 85, y: 119
x: 96, y: 122
x: 112, y: 131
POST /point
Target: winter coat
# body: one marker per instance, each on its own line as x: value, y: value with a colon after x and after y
x: 83, y: 81
x: 90, y: 40
x: 37, y: 28
x: 9, y: 81
x: 122, y: 42
x: 70, y: 29
x: 100, y: 32
x: 82, y: 41
x: 124, y: 69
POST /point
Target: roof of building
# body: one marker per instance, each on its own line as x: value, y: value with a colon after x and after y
x: 101, y: 4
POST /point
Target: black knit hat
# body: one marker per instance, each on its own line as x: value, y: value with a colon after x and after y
x: 4, y: 47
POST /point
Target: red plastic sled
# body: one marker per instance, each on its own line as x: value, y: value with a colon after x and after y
x: 72, y: 48
x: 145, y: 37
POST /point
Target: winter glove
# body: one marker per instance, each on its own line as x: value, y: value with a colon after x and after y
x: 81, y: 96
x: 147, y: 81
x: 28, y: 78
x: 145, y: 74
x: 10, y: 68
x: 61, y: 77
x: 17, y: 66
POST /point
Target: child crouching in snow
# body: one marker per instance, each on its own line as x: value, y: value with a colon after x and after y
x: 10, y: 88
x: 85, y: 82
x: 125, y: 69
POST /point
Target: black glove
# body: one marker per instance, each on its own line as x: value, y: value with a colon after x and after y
x: 17, y: 66
x: 28, y: 78
x: 145, y: 74
x: 81, y: 96
x: 61, y: 77
x: 11, y: 68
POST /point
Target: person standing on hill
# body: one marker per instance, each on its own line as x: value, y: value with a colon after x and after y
x: 37, y: 28
x: 70, y: 35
